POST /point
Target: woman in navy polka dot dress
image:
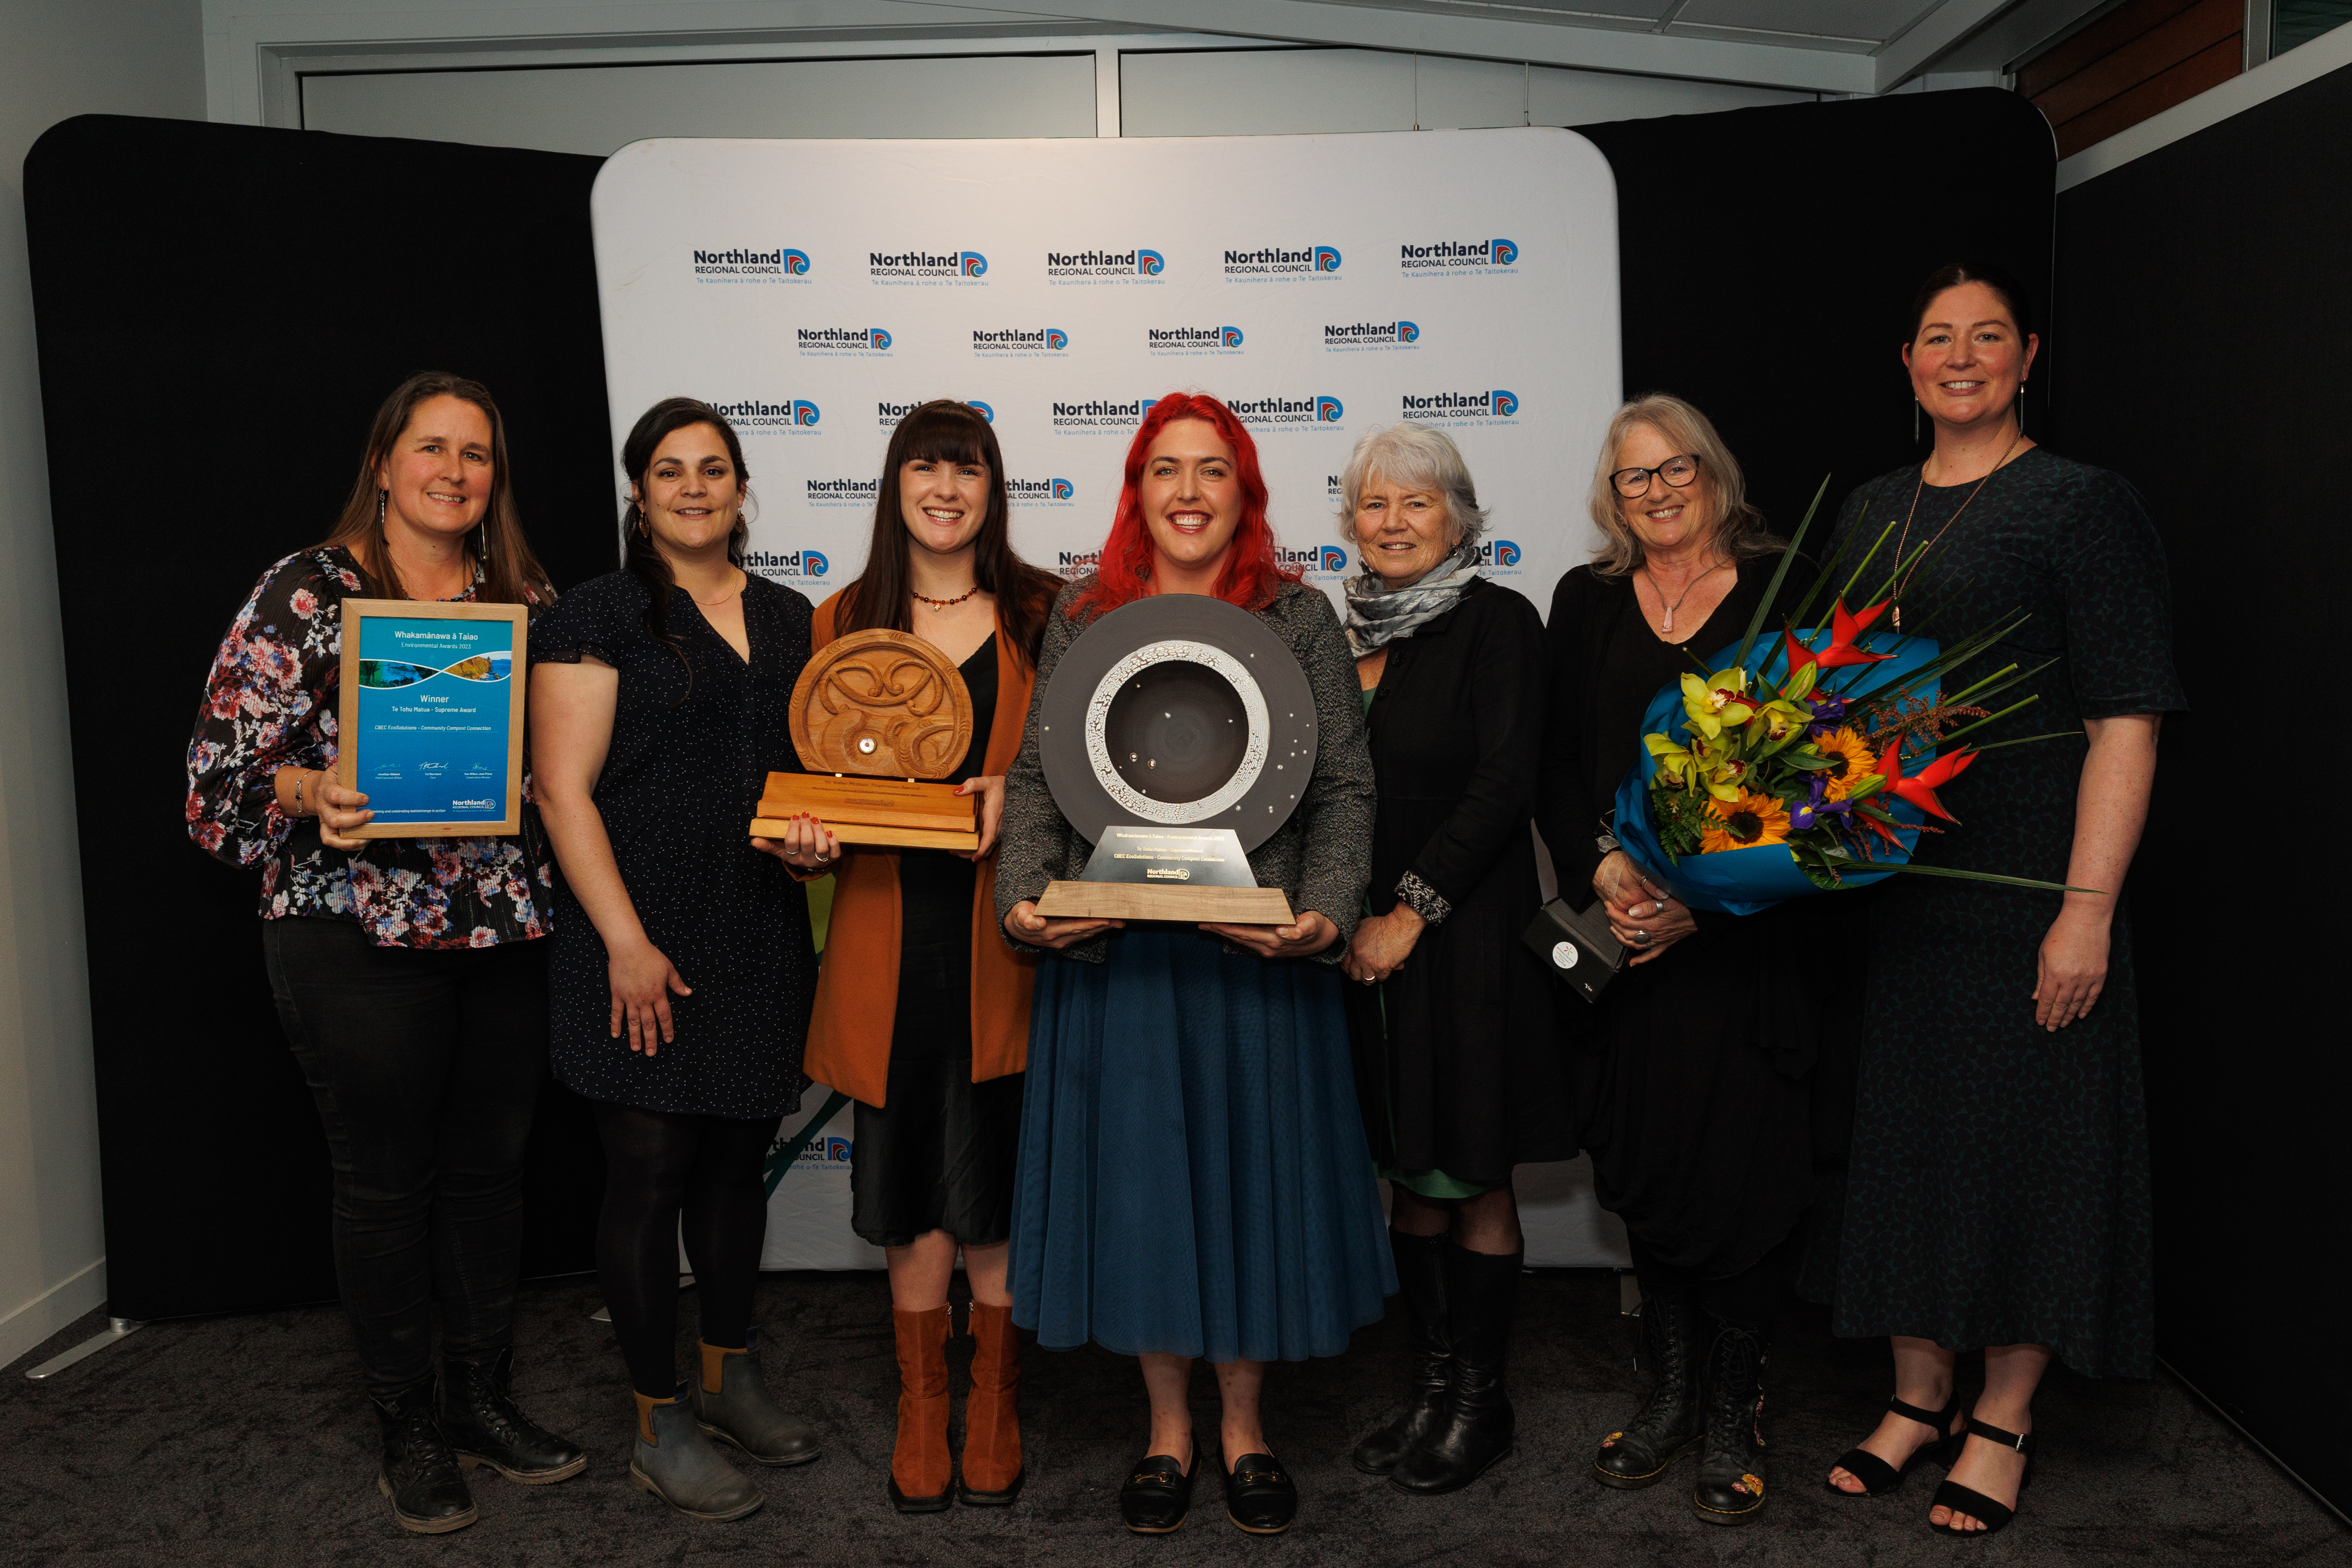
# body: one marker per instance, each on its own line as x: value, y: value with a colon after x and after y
x: 683, y: 966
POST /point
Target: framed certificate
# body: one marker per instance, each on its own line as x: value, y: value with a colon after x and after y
x: 430, y: 719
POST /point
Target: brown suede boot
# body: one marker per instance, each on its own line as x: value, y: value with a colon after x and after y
x: 992, y: 1416
x: 920, y: 1469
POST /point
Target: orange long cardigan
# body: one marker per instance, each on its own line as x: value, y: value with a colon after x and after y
x: 858, y: 985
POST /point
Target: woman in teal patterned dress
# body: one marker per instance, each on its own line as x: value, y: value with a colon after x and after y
x: 1999, y: 1196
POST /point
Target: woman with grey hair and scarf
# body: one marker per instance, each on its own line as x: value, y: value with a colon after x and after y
x: 1459, y: 1066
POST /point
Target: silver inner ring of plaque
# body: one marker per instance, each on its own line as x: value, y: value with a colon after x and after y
x: 1133, y: 800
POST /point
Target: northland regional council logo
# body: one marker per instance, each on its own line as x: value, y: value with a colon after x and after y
x: 796, y: 415
x: 1501, y: 555
x: 1166, y: 341
x: 1276, y: 263
x: 1019, y: 341
x: 1041, y: 491
x: 857, y: 493
x: 751, y: 264
x: 1081, y: 417
x: 1137, y: 264
x: 835, y: 342
x: 1492, y: 407
x: 1455, y: 258
x: 1318, y: 411
x: 926, y: 266
x: 786, y: 566
x: 1323, y: 562
x: 1337, y: 335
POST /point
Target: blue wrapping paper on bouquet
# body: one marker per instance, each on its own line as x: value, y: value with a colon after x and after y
x: 1744, y: 882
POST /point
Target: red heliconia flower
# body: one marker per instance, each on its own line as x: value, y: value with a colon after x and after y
x: 1921, y: 786
x: 1844, y: 629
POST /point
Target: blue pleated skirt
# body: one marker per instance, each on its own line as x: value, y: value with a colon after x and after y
x: 1193, y: 1176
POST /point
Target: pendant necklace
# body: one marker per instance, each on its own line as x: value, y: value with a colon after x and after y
x: 1904, y: 582
x: 1668, y: 627
x: 946, y: 603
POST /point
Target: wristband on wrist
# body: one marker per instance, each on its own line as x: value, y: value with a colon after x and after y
x: 299, y: 780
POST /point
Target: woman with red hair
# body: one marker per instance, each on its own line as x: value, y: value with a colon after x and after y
x: 1193, y: 1176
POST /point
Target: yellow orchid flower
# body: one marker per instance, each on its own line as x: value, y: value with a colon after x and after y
x: 1718, y: 700
x: 1674, y: 762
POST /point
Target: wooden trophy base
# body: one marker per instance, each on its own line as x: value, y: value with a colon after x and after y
x: 898, y: 812
x: 1161, y: 901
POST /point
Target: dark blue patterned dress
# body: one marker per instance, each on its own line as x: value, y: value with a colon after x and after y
x: 694, y: 739
x: 1999, y: 1192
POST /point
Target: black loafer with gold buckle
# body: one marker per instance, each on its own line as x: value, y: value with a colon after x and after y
x: 1260, y: 1495
x: 1159, y: 1494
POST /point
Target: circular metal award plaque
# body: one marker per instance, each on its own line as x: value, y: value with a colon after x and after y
x: 881, y: 705
x: 1177, y: 710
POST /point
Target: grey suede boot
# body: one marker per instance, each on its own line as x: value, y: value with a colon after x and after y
x: 678, y: 1464
x: 731, y: 1402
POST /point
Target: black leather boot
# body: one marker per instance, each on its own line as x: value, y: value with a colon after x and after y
x: 420, y: 1474
x: 1730, y: 1487
x: 1671, y: 1424
x: 1421, y: 1281
x: 1474, y: 1427
x: 483, y: 1425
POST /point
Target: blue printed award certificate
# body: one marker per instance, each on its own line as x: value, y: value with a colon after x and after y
x: 431, y: 715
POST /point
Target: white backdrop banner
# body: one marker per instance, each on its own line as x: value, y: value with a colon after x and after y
x: 1321, y: 286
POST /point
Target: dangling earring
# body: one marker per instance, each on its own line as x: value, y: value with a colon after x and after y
x: 2021, y: 410
x: 1915, y: 422
x: 383, y: 500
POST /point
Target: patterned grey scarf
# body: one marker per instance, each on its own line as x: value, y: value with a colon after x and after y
x: 1378, y: 615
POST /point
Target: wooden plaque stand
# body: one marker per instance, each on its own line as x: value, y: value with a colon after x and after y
x: 876, y: 715
x: 1163, y: 901
x: 904, y: 812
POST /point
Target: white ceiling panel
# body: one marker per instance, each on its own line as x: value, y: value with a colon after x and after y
x: 1831, y: 21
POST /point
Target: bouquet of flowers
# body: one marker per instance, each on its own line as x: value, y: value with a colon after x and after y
x: 1810, y: 762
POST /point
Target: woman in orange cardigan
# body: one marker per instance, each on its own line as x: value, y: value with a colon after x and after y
x: 921, y: 1013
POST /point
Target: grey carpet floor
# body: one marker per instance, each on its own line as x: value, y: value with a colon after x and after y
x: 244, y: 1440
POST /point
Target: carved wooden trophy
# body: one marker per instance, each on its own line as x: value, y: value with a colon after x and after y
x: 877, y: 718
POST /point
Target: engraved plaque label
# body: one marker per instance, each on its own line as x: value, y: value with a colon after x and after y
x: 1206, y: 857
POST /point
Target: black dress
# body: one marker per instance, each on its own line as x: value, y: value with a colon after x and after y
x: 1999, y: 1187
x: 694, y: 739
x: 1701, y: 1091
x: 1458, y: 1065
x: 939, y: 1157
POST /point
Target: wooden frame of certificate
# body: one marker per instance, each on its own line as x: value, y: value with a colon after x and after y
x: 430, y: 717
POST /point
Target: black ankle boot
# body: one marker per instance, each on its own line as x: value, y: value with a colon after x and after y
x: 483, y: 1425
x: 1673, y: 1343
x: 1421, y: 1281
x: 1474, y: 1426
x: 420, y: 1474
x: 1730, y: 1487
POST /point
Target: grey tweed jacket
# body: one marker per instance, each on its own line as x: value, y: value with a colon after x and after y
x: 1321, y: 858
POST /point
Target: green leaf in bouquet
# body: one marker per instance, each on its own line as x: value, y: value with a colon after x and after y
x: 1822, y: 577
x: 1809, y: 761
x: 2026, y: 740
x: 1779, y: 574
x: 1989, y: 718
x: 1959, y: 876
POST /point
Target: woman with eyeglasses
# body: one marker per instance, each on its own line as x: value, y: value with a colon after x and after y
x: 1698, y: 1071
x: 1999, y: 1197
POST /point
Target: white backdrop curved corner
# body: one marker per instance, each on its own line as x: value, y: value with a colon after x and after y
x: 1322, y: 286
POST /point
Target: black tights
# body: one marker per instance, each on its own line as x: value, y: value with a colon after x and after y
x: 1749, y: 1299
x: 667, y: 1176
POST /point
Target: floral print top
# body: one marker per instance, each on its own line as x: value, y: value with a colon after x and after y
x: 270, y: 703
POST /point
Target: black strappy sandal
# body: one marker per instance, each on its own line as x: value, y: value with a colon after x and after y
x: 1878, y: 1477
x: 1971, y: 1501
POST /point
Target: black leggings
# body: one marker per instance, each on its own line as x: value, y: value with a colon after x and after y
x: 665, y: 1175
x: 426, y: 1064
x: 1749, y: 1299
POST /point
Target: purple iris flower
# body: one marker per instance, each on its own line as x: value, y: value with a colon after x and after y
x: 1817, y: 805
x: 1829, y: 712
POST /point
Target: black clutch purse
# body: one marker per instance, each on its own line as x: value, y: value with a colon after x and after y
x: 1576, y: 945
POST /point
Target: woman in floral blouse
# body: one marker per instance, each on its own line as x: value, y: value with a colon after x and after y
x: 408, y: 971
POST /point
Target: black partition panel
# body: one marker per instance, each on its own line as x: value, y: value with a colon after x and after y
x: 220, y: 310
x: 1767, y: 256
x: 2202, y: 310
